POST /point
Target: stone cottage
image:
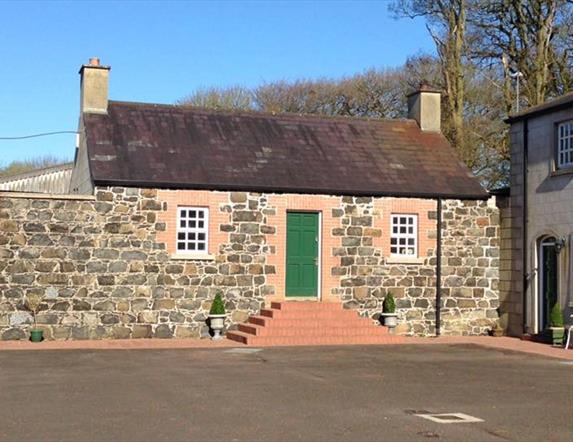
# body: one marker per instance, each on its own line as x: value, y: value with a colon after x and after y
x: 172, y: 204
x: 541, y: 215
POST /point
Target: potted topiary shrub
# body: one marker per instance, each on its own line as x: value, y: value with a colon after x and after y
x: 389, y: 311
x: 32, y: 303
x: 217, y: 316
x: 556, y: 325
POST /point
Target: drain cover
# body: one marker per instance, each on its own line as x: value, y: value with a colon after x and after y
x: 243, y: 350
x: 450, y: 418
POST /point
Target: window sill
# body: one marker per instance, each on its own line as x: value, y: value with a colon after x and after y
x: 193, y: 256
x: 404, y: 260
x: 564, y: 171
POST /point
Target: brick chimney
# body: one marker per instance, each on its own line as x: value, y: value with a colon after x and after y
x: 94, y: 87
x: 424, y: 107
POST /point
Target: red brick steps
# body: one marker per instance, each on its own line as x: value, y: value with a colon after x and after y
x: 310, y: 323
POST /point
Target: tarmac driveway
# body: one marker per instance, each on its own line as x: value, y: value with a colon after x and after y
x: 284, y: 394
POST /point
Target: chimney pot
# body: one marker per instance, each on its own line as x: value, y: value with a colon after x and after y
x: 94, y: 61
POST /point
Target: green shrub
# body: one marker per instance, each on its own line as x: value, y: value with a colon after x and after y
x: 556, y: 316
x: 218, y: 306
x: 389, y: 305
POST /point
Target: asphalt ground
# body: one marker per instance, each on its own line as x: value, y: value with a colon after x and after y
x: 354, y: 393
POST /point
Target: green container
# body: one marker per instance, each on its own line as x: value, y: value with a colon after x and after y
x: 557, y: 335
x: 36, y: 335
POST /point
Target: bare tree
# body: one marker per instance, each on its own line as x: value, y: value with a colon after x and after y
x: 22, y: 166
x: 233, y: 97
x: 533, y: 37
x: 446, y: 23
x: 374, y: 93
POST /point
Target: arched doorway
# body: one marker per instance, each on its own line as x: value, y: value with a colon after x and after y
x: 547, y: 291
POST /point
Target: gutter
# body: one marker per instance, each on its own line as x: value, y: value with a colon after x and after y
x: 439, y: 268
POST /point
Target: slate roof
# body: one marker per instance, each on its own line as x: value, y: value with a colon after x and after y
x: 562, y: 102
x: 149, y: 145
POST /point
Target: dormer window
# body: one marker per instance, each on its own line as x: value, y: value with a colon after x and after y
x: 565, y: 144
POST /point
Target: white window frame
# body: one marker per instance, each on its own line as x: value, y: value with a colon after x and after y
x: 564, y: 149
x: 395, y: 222
x: 196, y: 230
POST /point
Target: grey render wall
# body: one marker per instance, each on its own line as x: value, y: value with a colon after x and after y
x: 510, y: 298
x: 103, y: 274
x: 549, y: 206
x: 81, y: 181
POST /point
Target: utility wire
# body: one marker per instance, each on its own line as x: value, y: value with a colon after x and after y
x: 45, y: 134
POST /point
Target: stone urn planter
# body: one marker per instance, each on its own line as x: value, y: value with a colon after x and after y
x: 217, y: 316
x: 390, y: 319
x: 389, y: 311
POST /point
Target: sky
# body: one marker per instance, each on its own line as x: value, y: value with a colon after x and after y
x: 160, y: 52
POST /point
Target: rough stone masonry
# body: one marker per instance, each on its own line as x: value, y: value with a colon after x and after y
x: 103, y: 273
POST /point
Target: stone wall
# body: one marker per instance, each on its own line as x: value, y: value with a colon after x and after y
x: 106, y: 269
x: 470, y: 275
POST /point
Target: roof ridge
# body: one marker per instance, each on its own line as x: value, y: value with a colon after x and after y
x: 254, y: 113
x: 563, y: 100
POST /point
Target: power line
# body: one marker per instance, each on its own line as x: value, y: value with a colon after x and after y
x: 44, y: 134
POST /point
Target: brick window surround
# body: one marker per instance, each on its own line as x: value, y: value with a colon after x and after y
x: 188, y: 199
x: 386, y: 207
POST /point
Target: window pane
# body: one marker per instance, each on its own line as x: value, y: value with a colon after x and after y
x: 191, y: 229
x: 403, y: 236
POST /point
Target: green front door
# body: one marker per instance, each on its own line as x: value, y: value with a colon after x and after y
x: 302, y: 254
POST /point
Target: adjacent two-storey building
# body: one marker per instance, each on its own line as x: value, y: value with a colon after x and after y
x: 541, y: 267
